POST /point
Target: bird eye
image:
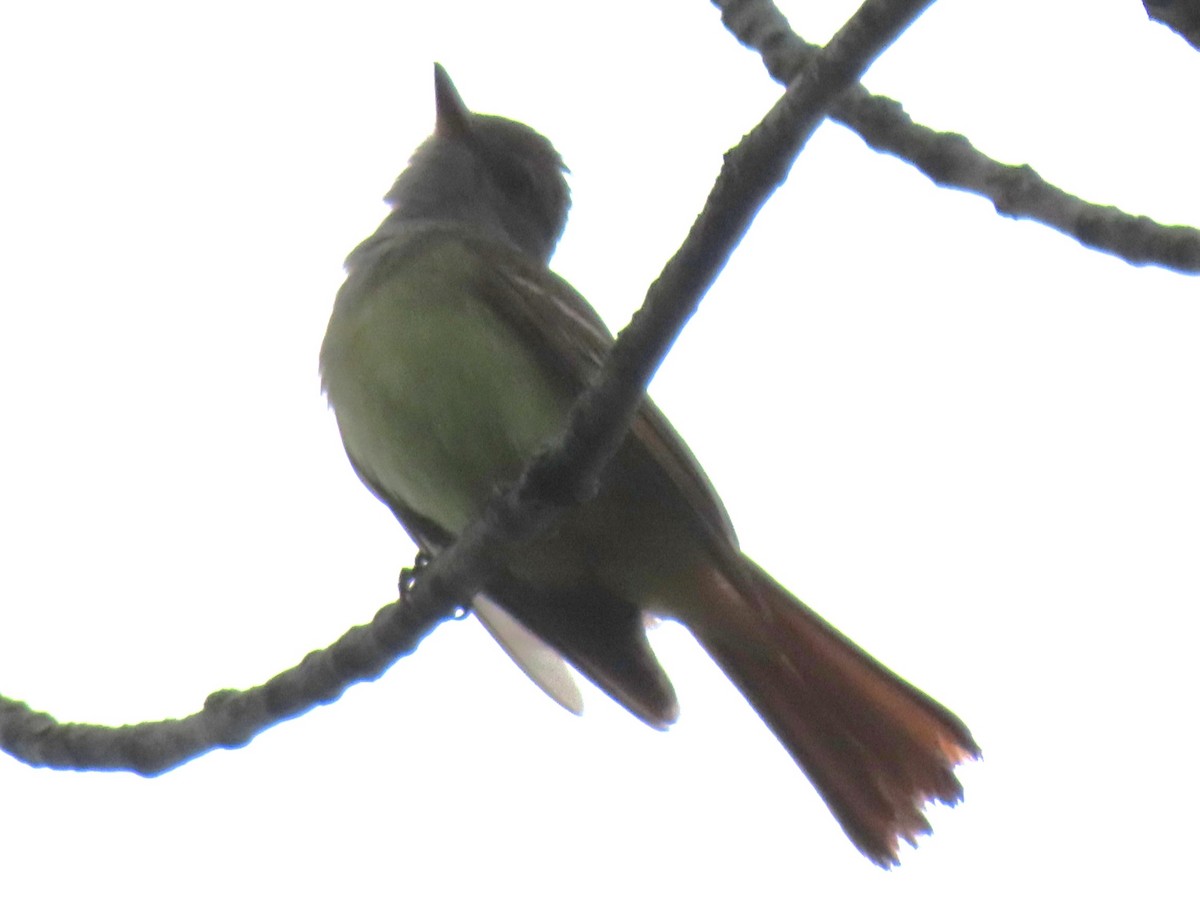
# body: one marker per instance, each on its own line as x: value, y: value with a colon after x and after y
x: 514, y: 181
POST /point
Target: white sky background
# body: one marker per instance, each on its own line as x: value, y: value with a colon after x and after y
x: 969, y: 442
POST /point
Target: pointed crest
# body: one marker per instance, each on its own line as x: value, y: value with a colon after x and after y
x: 453, y: 117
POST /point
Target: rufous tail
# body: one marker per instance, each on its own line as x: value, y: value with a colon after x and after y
x: 876, y: 748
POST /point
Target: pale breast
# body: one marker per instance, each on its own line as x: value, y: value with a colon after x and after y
x: 438, y: 400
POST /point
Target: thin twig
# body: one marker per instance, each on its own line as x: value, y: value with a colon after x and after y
x: 950, y: 160
x: 1181, y: 16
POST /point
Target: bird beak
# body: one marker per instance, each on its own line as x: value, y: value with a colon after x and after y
x: 453, y: 117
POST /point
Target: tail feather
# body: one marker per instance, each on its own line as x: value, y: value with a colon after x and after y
x: 876, y: 748
x: 603, y: 636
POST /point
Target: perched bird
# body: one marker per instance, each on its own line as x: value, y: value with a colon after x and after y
x: 453, y: 355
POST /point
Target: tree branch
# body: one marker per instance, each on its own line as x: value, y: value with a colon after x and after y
x: 950, y: 160
x: 1181, y: 16
x: 559, y: 479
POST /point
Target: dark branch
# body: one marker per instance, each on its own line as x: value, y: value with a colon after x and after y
x: 1181, y: 16
x: 750, y: 174
x: 950, y: 160
x: 559, y: 479
x: 229, y: 718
